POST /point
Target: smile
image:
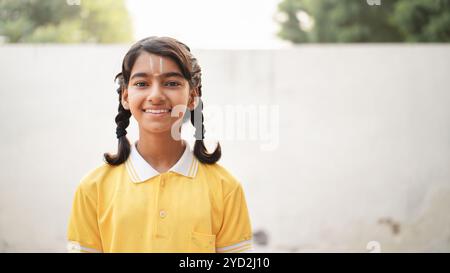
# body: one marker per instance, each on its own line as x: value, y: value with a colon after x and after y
x: 158, y: 112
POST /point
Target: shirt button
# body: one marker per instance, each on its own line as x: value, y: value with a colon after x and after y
x: 162, y: 213
x: 162, y: 183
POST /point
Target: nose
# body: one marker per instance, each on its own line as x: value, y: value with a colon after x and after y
x: 155, y: 94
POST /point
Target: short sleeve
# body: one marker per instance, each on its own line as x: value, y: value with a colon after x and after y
x: 235, y: 235
x: 83, y: 233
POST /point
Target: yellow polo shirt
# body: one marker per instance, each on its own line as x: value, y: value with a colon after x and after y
x: 193, y: 207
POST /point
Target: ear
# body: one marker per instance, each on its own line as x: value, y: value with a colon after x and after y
x: 193, y: 102
x: 124, y: 99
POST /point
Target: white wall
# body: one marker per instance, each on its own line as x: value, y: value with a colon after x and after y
x: 363, y: 141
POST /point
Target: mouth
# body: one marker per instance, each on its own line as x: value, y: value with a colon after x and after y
x: 157, y: 112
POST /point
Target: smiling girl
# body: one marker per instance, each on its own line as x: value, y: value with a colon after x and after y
x: 158, y: 195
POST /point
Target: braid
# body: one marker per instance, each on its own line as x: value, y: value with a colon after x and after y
x: 196, y: 114
x: 122, y: 120
x: 200, y: 150
x: 197, y: 118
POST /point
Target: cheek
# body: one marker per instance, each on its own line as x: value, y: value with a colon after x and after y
x: 178, y: 98
x: 135, y: 97
x: 134, y: 102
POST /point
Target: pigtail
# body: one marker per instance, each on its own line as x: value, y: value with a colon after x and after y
x: 200, y: 151
x: 122, y: 120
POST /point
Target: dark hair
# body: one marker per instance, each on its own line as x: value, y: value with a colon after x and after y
x: 181, y: 55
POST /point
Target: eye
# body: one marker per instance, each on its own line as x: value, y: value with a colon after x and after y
x: 140, y: 84
x: 172, y: 84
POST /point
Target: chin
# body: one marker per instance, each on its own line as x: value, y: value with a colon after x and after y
x: 155, y: 129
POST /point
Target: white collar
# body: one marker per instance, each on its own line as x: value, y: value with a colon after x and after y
x: 139, y: 170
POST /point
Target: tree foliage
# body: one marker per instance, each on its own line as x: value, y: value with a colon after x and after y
x: 55, y: 21
x: 357, y: 21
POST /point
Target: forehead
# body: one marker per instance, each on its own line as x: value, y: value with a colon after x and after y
x: 154, y: 64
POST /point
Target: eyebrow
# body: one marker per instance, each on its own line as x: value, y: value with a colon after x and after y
x: 164, y: 75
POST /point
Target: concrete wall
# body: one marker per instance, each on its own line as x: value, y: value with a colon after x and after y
x: 358, y: 137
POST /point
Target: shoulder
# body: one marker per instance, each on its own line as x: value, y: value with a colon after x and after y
x: 219, y: 176
x: 95, y: 178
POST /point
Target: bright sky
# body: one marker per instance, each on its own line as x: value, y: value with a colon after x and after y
x: 208, y: 23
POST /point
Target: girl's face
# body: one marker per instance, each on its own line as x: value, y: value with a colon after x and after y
x: 155, y: 87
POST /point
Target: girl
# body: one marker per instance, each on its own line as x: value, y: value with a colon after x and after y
x: 157, y: 195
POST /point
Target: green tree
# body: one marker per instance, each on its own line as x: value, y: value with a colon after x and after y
x: 55, y: 21
x: 423, y: 20
x: 357, y: 21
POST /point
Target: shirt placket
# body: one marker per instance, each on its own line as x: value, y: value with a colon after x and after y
x: 162, y: 213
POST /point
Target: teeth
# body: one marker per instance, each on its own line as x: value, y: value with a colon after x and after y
x: 157, y: 111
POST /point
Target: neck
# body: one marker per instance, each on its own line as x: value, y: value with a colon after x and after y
x: 160, y: 150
